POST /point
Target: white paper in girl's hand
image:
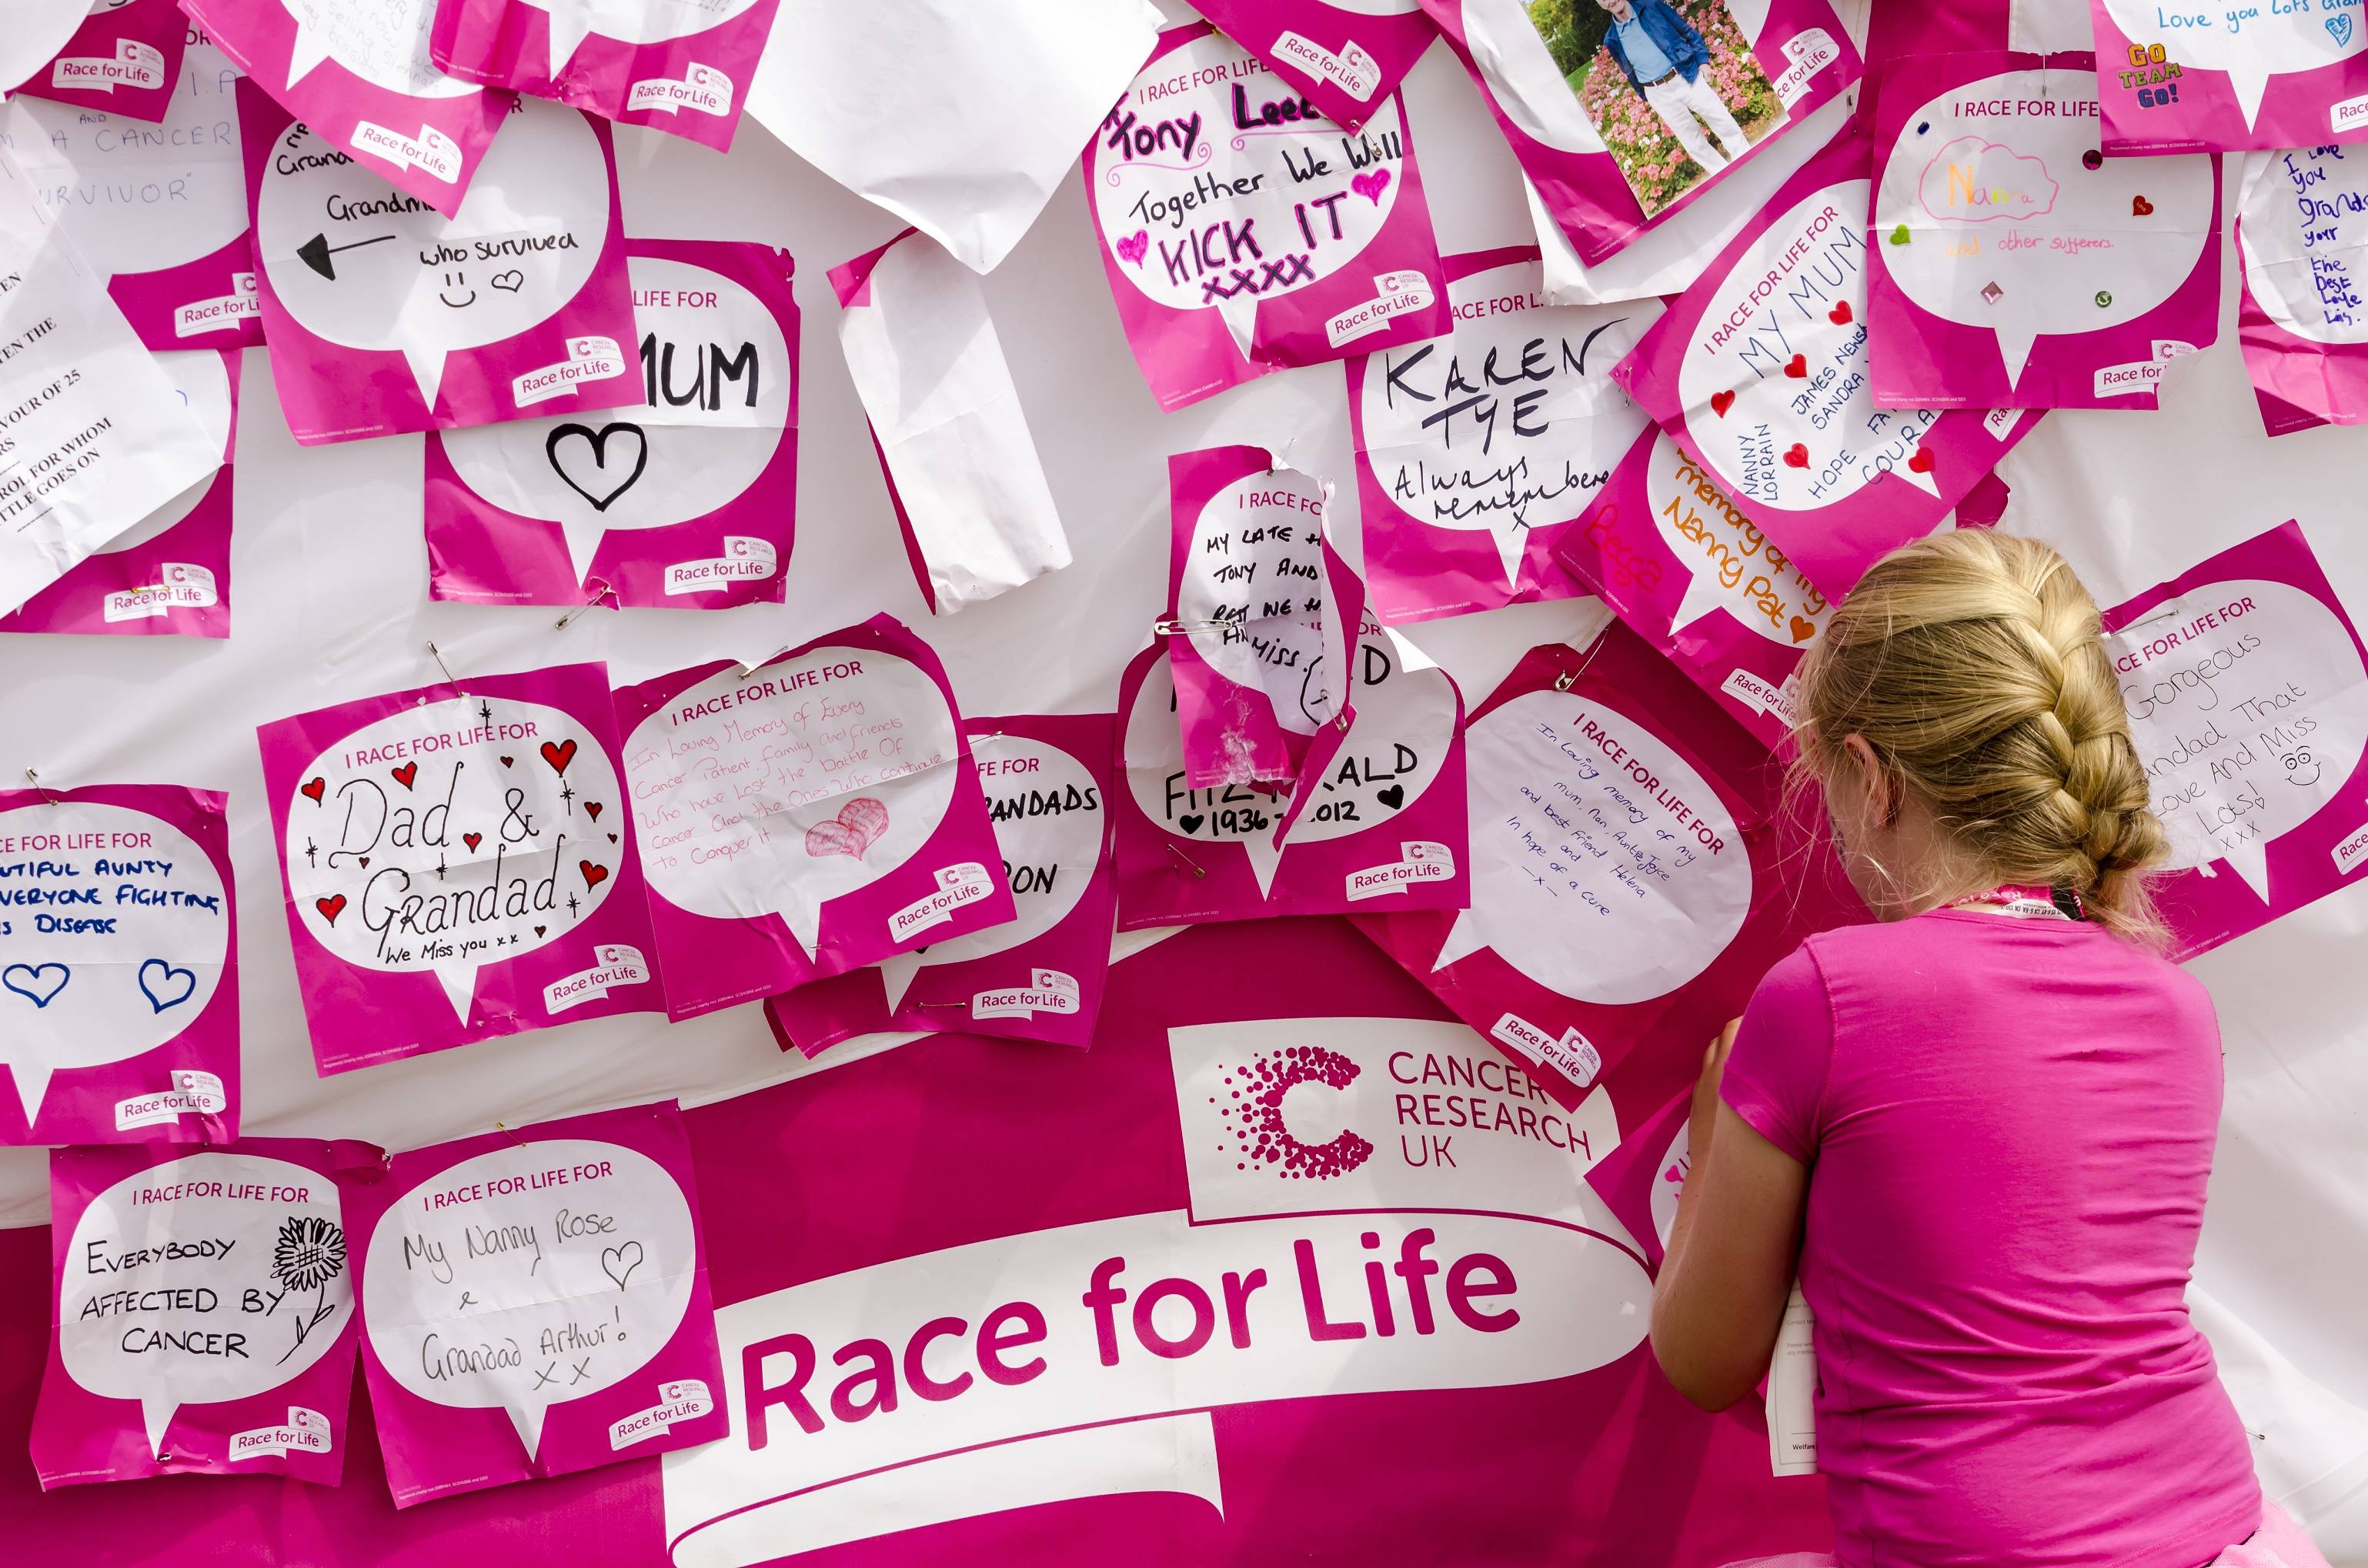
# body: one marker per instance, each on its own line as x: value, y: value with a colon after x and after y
x: 981, y: 116
x: 96, y: 435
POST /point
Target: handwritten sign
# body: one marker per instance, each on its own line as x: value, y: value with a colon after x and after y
x: 1625, y: 869
x: 1038, y: 976
x: 1760, y: 372
x: 2248, y: 701
x: 2302, y: 218
x: 807, y: 815
x: 210, y: 1292
x: 2186, y: 78
x: 118, y: 968
x: 682, y: 66
x: 1475, y: 450
x: 1609, y: 164
x: 458, y: 864
x: 372, y: 295
x: 687, y: 503
x: 1996, y: 225
x: 535, y: 1304
x: 1346, y: 57
x: 1242, y: 232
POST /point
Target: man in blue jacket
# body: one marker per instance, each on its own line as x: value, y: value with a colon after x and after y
x: 1663, y: 58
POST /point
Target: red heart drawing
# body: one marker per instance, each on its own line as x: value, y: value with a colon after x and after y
x: 1371, y: 184
x: 1798, y: 369
x: 508, y: 760
x: 312, y: 791
x: 593, y: 875
x: 1803, y: 630
x: 1797, y: 454
x: 559, y: 756
x: 1720, y: 402
x: 1922, y: 461
x: 473, y: 839
x: 364, y: 859
x: 2140, y: 206
x: 1840, y: 315
x: 406, y: 774
x: 592, y: 809
x: 613, y: 838
x: 859, y: 822
x: 1135, y: 247
x: 538, y: 930
x: 331, y: 907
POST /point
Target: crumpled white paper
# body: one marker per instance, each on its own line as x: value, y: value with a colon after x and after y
x: 930, y: 371
x: 958, y: 116
x: 93, y: 436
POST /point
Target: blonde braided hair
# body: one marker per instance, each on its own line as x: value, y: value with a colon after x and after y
x: 1973, y: 663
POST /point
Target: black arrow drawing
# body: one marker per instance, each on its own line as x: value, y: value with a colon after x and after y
x: 315, y: 253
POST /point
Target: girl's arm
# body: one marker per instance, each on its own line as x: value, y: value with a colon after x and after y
x: 1733, y: 1250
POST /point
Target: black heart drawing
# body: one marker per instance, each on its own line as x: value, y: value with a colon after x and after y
x: 595, y: 444
x: 618, y: 1263
x: 1190, y: 825
x: 1392, y: 796
x: 509, y: 282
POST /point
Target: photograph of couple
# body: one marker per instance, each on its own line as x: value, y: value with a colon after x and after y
x: 1670, y: 84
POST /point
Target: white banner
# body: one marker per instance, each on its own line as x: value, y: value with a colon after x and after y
x: 589, y: 359
x: 304, y: 1432
x: 185, y: 586
x: 957, y: 886
x: 135, y: 64
x: 1049, y: 991
x: 431, y: 149
x: 193, y: 1094
x: 620, y: 965
x: 1418, y: 860
x: 679, y: 1401
x: 701, y: 88
x: 743, y: 559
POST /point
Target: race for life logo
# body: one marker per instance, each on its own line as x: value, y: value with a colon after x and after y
x: 1255, y: 1114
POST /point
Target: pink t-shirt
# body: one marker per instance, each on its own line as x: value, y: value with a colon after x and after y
x: 2008, y: 1125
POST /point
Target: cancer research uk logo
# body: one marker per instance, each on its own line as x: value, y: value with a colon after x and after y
x: 1253, y: 1111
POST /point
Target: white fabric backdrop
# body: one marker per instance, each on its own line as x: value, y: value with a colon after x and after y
x: 329, y: 581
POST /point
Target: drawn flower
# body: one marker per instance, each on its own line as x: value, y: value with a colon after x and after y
x: 308, y: 1253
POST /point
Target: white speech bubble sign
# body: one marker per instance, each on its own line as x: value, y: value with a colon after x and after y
x: 1249, y: 596
x: 137, y: 196
x: 135, y: 1322
x: 107, y: 949
x: 1232, y: 814
x: 384, y: 42
x: 443, y: 841
x: 2010, y: 231
x: 1585, y: 876
x: 2250, y: 708
x: 2251, y: 42
x: 1730, y: 564
x: 1156, y: 164
x: 358, y: 263
x: 2300, y: 224
x: 1785, y: 333
x: 474, y: 1276
x: 1403, y: 727
x: 631, y: 21
x: 1048, y: 813
x: 198, y: 376
x: 774, y: 791
x: 1512, y: 421
x: 717, y: 371
x: 32, y: 34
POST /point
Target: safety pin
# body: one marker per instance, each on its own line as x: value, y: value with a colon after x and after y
x: 607, y: 591
x: 2170, y: 611
x: 1185, y: 628
x: 41, y: 789
x: 1191, y: 864
x: 1569, y: 678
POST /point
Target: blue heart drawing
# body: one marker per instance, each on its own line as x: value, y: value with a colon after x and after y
x: 2340, y: 30
x: 38, y: 984
x: 165, y: 986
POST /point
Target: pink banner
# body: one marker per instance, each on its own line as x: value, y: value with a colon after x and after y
x: 1244, y: 233
x: 202, y: 1313
x: 1629, y: 885
x: 2015, y: 265
x: 1348, y: 59
x: 689, y: 503
x: 807, y: 815
x: 2247, y: 692
x: 1040, y: 976
x: 684, y: 69
x: 535, y: 1301
x: 1613, y: 151
x: 118, y: 966
x: 1639, y: 1181
x: 1760, y: 373
x: 2300, y: 220
x: 124, y: 60
x: 1476, y: 452
x: 406, y: 318
x: 168, y: 575
x: 459, y: 863
x: 2180, y: 79
x: 360, y: 79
